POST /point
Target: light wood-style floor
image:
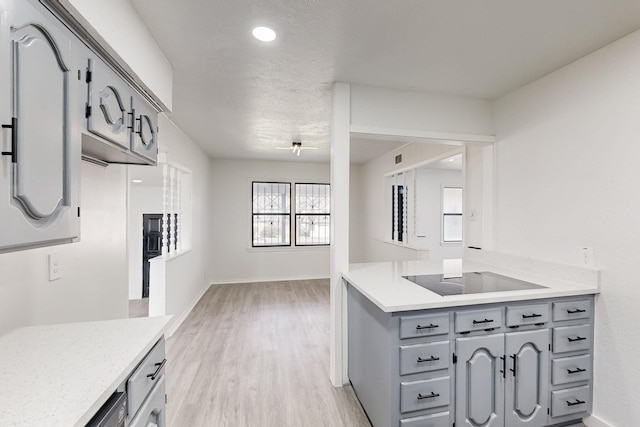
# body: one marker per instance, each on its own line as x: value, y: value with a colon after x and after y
x: 257, y: 355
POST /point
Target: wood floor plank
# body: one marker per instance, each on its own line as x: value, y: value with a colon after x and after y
x: 257, y: 355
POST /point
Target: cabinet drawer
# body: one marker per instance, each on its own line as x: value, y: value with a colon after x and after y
x: 440, y: 419
x: 571, y: 369
x: 571, y: 338
x: 570, y: 401
x: 527, y: 314
x: 423, y: 326
x: 418, y: 395
x: 478, y: 320
x: 146, y: 375
x: 570, y: 310
x: 424, y: 357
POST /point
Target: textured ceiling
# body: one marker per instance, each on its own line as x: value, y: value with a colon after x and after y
x: 239, y: 98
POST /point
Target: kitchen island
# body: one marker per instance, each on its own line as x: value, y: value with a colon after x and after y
x: 61, y: 375
x: 511, y: 358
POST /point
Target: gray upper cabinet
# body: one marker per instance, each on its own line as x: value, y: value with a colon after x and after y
x: 39, y: 169
x: 144, y: 138
x: 480, y: 382
x: 108, y: 104
x: 527, y: 360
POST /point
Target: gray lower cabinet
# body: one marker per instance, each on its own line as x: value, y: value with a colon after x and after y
x: 523, y: 363
x: 40, y: 140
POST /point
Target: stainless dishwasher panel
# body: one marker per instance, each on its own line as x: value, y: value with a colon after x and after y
x: 152, y: 412
x: 112, y: 413
x: 145, y: 377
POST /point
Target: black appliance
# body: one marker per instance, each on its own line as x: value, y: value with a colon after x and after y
x: 470, y: 283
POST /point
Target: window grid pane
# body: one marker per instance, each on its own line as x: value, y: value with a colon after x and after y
x: 271, y: 230
x: 271, y: 216
x: 313, y: 230
x: 452, y: 228
x: 313, y: 214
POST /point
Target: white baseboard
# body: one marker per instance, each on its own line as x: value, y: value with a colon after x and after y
x: 177, y: 321
x: 268, y: 279
x: 594, y: 421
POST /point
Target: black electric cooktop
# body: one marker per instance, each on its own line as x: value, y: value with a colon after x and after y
x: 470, y: 283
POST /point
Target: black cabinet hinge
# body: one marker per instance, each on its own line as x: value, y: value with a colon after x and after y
x: 89, y: 77
x: 78, y: 211
x: 549, y: 347
x: 455, y: 358
x: 87, y: 111
x: 548, y: 411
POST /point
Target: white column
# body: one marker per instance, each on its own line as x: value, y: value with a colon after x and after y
x: 339, y: 250
x: 165, y: 206
x: 180, y: 211
x: 172, y: 210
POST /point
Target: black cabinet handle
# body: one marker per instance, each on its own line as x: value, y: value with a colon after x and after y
x: 578, y: 338
x: 577, y: 402
x: 430, y: 359
x: 14, y: 140
x: 429, y: 326
x: 158, y: 369
x: 513, y: 356
x: 428, y: 396
x: 504, y: 366
x: 531, y: 316
x: 480, y: 322
x: 575, y: 371
x: 577, y: 310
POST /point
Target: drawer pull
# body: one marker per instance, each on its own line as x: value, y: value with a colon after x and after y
x: 429, y: 326
x: 575, y: 371
x: 158, y: 369
x: 577, y: 402
x: 430, y: 396
x: 577, y: 310
x: 531, y: 316
x: 430, y: 359
x: 480, y: 322
x: 578, y: 338
x: 14, y: 140
x: 513, y: 356
x: 504, y: 366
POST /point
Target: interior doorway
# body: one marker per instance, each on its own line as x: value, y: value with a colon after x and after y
x: 152, y: 244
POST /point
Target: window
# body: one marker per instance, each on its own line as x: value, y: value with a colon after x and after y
x: 451, y: 214
x: 313, y: 214
x: 398, y: 225
x: 271, y: 214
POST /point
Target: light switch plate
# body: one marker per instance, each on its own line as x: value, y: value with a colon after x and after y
x: 55, y: 267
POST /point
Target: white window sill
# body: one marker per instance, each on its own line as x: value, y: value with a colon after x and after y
x: 291, y: 248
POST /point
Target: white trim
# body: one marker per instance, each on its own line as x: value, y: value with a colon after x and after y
x: 177, y: 320
x: 373, y: 132
x: 594, y: 421
x: 267, y: 279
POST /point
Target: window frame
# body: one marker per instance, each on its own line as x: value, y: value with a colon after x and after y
x: 253, y: 214
x: 297, y: 214
x: 444, y: 215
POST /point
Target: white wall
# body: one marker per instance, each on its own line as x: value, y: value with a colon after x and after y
x: 230, y: 253
x: 368, y: 206
x: 142, y: 200
x: 396, y: 109
x: 567, y: 176
x: 94, y: 270
x: 187, y: 275
x: 118, y: 24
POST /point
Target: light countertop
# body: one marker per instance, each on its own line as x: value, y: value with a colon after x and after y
x: 382, y: 283
x: 60, y: 375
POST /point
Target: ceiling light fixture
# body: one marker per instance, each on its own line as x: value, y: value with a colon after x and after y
x: 137, y: 181
x: 264, y: 34
x: 296, y: 148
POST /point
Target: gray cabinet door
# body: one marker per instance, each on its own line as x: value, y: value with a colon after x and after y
x: 38, y: 185
x: 144, y: 138
x: 109, y: 103
x: 479, y: 381
x: 526, y: 396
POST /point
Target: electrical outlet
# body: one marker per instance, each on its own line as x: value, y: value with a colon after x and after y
x: 55, y: 267
x: 586, y: 256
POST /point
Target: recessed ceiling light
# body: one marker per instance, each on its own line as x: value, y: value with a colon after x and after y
x: 137, y: 181
x: 264, y: 34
